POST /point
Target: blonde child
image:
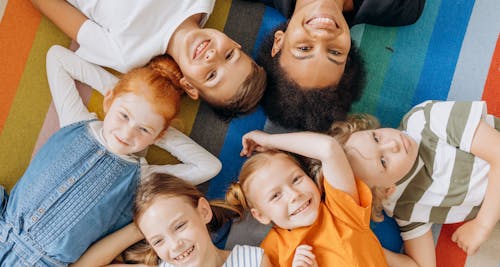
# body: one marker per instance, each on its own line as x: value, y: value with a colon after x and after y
x: 308, y: 230
x: 175, y: 219
x: 81, y: 184
x: 440, y: 166
x: 124, y: 34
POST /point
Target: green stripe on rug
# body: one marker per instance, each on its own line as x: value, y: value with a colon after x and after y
x: 29, y: 107
x: 377, y: 56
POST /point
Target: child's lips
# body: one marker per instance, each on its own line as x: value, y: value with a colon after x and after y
x: 302, y: 207
x: 185, y: 254
x: 200, y: 48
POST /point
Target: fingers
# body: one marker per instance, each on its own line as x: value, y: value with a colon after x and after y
x: 304, y: 257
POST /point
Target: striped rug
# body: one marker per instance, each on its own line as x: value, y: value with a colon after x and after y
x: 452, y: 52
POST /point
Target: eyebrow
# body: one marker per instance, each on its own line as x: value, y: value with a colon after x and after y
x: 310, y: 56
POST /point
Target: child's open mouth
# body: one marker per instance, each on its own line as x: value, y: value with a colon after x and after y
x: 199, y: 49
x: 301, y: 208
x: 185, y: 254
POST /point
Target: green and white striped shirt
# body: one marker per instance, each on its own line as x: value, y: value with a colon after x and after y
x: 447, y: 183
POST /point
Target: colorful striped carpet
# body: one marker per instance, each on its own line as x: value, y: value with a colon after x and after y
x: 452, y: 52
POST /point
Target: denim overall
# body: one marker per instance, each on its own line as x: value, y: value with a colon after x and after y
x: 73, y: 193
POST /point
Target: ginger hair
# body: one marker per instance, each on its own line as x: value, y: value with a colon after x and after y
x: 158, y: 82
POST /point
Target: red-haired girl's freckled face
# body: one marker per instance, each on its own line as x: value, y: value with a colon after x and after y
x: 131, y: 124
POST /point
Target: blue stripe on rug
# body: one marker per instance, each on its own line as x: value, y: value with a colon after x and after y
x: 443, y: 51
x: 230, y: 152
x: 271, y: 19
x: 405, y: 67
x: 476, y: 53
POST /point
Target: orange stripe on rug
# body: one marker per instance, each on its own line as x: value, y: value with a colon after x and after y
x: 17, y: 32
x: 491, y: 93
x: 447, y: 252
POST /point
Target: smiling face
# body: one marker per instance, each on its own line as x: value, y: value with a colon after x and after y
x: 381, y: 157
x: 315, y: 45
x: 177, y: 231
x: 213, y: 65
x: 131, y: 124
x: 281, y: 192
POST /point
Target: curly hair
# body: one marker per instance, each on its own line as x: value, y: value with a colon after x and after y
x: 289, y: 105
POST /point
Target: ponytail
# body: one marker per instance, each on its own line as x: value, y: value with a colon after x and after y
x: 166, y: 67
x: 235, y: 197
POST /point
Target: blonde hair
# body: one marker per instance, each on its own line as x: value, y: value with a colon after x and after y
x: 235, y: 195
x: 158, y: 82
x: 164, y: 185
x: 341, y: 131
x: 247, y: 97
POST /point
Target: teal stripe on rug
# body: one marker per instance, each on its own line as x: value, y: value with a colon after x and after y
x: 405, y: 66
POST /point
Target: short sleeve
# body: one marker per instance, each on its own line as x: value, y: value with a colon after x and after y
x: 412, y: 230
x: 451, y: 122
x: 344, y: 208
x: 98, y: 46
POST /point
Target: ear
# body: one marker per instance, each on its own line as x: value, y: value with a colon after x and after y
x: 278, y: 42
x: 108, y: 100
x: 190, y: 90
x: 390, y: 190
x: 259, y: 216
x: 204, y: 210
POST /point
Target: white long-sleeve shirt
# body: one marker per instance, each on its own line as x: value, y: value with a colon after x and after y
x: 64, y: 67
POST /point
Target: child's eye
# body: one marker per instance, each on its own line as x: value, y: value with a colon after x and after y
x: 375, y: 137
x: 296, y: 179
x: 275, y: 196
x: 334, y: 52
x: 180, y: 226
x: 304, y: 48
x: 211, y: 75
x: 383, y: 162
x: 230, y: 54
x: 124, y: 116
x: 144, y: 130
x: 156, y: 242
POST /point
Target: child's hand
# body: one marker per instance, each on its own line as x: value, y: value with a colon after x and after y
x: 471, y: 235
x: 304, y: 257
x: 254, y: 141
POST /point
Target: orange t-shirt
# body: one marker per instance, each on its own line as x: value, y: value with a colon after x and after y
x: 340, y: 236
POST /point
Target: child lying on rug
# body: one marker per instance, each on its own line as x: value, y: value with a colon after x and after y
x: 127, y: 34
x: 307, y: 230
x: 440, y: 166
x: 175, y: 219
x: 80, y: 185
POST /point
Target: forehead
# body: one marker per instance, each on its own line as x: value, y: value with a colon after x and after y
x: 165, y: 209
x: 273, y: 173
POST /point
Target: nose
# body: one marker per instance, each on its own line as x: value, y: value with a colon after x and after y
x: 391, y: 146
x: 210, y: 54
x: 127, y: 132
x: 294, y: 194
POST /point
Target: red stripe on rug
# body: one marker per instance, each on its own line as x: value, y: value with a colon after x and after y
x: 448, y: 254
x: 17, y: 32
x: 491, y: 93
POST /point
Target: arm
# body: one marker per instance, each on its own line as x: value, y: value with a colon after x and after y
x: 398, y: 259
x: 63, y: 67
x: 473, y: 233
x: 198, y: 165
x: 420, y: 249
x: 62, y: 14
x: 107, y: 249
x: 335, y: 166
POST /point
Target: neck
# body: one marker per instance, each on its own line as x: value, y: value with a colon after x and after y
x: 345, y: 5
x: 177, y: 38
x: 218, y: 257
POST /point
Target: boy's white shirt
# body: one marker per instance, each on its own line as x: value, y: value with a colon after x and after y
x: 123, y: 34
x: 64, y: 67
